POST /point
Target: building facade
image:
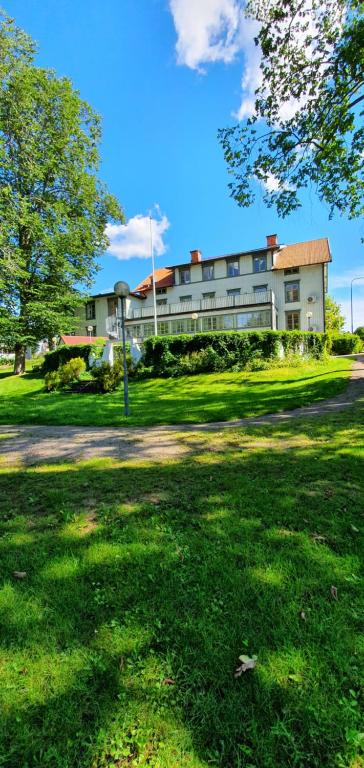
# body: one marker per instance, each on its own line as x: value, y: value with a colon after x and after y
x: 278, y: 286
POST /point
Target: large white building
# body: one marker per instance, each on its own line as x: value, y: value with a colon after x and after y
x: 277, y: 286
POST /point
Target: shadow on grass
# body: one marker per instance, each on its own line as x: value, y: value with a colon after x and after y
x: 174, y: 401
x: 138, y: 574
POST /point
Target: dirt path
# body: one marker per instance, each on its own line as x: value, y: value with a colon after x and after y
x: 40, y: 444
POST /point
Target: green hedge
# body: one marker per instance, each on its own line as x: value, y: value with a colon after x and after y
x: 62, y: 355
x: 346, y: 344
x: 162, y: 354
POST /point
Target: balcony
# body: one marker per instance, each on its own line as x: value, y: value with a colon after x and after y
x: 203, y: 305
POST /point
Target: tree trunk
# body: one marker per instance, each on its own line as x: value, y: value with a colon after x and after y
x: 19, y: 362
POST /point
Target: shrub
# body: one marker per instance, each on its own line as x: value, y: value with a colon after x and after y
x: 51, y: 381
x: 345, y: 344
x: 360, y: 332
x: 107, y: 377
x: 71, y: 371
x: 61, y: 355
x: 178, y: 355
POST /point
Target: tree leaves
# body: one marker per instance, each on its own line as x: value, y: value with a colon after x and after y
x: 246, y: 664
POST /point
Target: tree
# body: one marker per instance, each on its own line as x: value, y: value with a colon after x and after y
x: 335, y: 321
x: 360, y: 332
x: 307, y: 127
x: 53, y: 209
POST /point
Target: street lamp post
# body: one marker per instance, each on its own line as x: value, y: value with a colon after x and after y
x: 90, y: 329
x: 361, y: 277
x: 309, y: 316
x: 122, y: 290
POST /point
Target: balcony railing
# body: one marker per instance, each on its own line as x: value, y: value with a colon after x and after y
x: 204, y: 305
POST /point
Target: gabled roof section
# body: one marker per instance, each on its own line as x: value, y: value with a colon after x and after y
x: 163, y: 279
x: 303, y: 254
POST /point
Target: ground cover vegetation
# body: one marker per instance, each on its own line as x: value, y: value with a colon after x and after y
x: 53, y: 208
x: 202, y: 398
x: 129, y: 590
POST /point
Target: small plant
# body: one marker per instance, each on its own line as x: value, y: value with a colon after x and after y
x: 51, y: 381
x: 107, y: 377
x: 71, y: 371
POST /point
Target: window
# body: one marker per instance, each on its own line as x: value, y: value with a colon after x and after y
x: 293, y: 321
x: 292, y: 291
x: 163, y: 328
x: 292, y: 271
x: 147, y: 330
x: 260, y: 263
x: 191, y: 325
x: 258, y: 319
x: 179, y: 326
x: 90, y: 310
x: 232, y: 268
x: 134, y: 331
x: 211, y: 323
x: 209, y: 295
x: 184, y: 275
x: 112, y: 306
x: 161, y: 302
x: 208, y: 272
x: 160, y: 291
x: 91, y: 333
x: 228, y: 322
x: 233, y: 292
x: 260, y: 288
x: 185, y: 299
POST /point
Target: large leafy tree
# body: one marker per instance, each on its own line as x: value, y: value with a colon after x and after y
x: 307, y: 126
x: 335, y: 320
x: 53, y: 209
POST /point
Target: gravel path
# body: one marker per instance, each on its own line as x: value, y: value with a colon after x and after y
x: 39, y: 444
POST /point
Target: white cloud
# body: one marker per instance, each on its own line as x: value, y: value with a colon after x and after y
x: 343, y: 279
x: 132, y: 240
x: 207, y: 30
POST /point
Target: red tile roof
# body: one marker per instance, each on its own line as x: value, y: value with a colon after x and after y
x: 303, y: 254
x: 163, y: 279
x: 73, y: 340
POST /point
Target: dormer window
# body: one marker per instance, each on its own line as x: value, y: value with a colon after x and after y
x: 232, y: 267
x: 208, y: 272
x: 260, y: 263
x: 185, y: 275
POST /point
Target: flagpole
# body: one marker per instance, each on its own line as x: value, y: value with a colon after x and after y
x: 153, y: 280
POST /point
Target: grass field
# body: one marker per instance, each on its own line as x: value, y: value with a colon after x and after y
x: 143, y: 584
x: 207, y: 397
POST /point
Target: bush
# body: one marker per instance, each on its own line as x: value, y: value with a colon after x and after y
x: 71, y: 371
x: 345, y: 344
x: 219, y: 351
x: 360, y: 332
x: 51, y: 381
x: 61, y: 355
x: 107, y: 377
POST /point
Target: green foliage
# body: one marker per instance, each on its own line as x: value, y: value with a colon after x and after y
x: 71, y: 371
x: 52, y: 381
x: 335, y: 320
x: 219, y: 351
x: 53, y: 360
x: 118, y: 356
x: 345, y: 344
x: 360, y: 331
x: 53, y: 209
x: 108, y: 377
x: 306, y: 127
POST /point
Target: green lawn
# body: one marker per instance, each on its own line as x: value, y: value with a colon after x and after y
x: 208, y: 397
x: 146, y: 581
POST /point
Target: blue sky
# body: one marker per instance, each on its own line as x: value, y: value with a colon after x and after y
x: 165, y: 75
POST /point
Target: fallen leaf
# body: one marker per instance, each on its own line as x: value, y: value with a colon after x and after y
x: 19, y: 574
x: 246, y: 663
x: 169, y: 681
x: 333, y: 591
x: 303, y: 616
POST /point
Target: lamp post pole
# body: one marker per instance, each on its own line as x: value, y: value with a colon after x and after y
x: 361, y: 277
x: 122, y: 290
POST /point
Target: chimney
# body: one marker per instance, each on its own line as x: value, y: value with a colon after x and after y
x: 272, y: 241
x: 196, y: 256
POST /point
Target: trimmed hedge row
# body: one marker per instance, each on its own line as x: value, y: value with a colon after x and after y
x: 53, y: 360
x: 162, y: 353
x: 346, y: 344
